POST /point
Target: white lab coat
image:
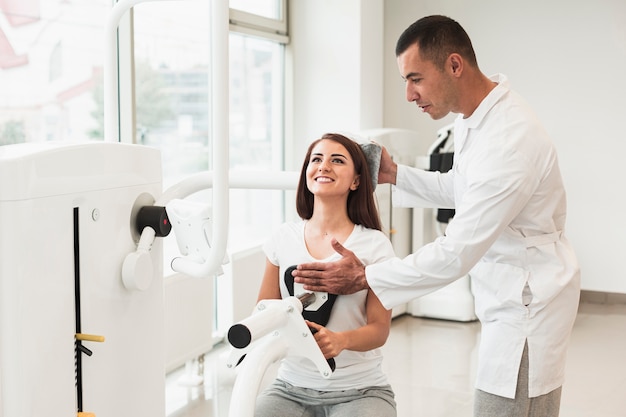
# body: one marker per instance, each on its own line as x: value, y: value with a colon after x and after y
x: 507, y: 233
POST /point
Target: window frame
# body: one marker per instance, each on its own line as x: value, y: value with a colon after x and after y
x: 255, y: 25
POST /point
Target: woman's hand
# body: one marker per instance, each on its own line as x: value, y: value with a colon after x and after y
x: 331, y: 344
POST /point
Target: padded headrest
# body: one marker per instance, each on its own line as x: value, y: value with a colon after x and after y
x: 373, y: 152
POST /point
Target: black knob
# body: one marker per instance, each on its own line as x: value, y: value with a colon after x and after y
x: 239, y: 336
x: 154, y: 217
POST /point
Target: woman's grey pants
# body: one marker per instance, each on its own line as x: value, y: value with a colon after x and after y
x: 284, y: 400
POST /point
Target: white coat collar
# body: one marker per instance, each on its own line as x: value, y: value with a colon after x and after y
x: 463, y: 125
x: 488, y: 102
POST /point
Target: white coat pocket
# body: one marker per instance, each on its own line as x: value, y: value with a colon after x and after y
x: 498, y: 290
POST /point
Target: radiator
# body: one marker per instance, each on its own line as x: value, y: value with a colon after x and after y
x: 238, y: 288
x: 189, y: 314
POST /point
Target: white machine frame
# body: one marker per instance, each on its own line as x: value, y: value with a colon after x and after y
x: 66, y: 213
x: 277, y: 330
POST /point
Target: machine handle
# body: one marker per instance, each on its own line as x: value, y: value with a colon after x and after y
x: 306, y: 299
x: 239, y: 336
x: 269, y: 316
x: 331, y: 361
x: 154, y: 217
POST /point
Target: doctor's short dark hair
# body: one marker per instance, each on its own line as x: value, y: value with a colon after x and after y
x: 437, y: 37
x: 361, y: 204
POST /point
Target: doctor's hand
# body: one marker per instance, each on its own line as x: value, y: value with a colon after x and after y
x: 345, y: 276
x: 388, y: 170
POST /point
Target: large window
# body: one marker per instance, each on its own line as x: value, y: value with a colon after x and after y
x: 51, y: 70
x: 171, y: 60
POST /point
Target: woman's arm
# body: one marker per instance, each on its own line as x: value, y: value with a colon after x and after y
x: 374, y: 334
x: 270, y: 288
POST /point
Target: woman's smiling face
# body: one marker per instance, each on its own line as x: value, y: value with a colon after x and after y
x: 331, y: 170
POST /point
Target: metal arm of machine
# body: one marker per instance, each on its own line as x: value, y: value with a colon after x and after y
x: 219, y: 117
x: 137, y: 273
x: 247, y: 180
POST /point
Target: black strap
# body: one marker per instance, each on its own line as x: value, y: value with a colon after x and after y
x: 322, y: 315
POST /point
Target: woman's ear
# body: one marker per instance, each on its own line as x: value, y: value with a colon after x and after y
x: 355, y: 184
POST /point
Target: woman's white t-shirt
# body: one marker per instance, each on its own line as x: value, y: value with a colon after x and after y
x: 353, y: 370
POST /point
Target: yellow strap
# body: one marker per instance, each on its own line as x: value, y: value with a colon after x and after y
x: 89, y: 337
x: 83, y: 414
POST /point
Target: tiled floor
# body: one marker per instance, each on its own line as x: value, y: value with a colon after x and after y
x: 431, y: 366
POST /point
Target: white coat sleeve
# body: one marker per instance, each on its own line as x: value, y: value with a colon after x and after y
x: 497, y: 185
x: 418, y: 188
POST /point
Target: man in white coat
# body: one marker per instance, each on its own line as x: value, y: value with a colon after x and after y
x: 507, y: 232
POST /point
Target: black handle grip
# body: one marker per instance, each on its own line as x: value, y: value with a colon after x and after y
x: 239, y: 336
x: 331, y: 361
x: 154, y: 217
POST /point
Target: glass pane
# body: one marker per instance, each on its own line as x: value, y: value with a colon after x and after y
x: 266, y: 8
x: 51, y: 56
x: 256, y: 133
x: 171, y: 84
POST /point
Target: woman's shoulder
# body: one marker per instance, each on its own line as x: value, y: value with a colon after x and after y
x: 290, y: 227
x: 370, y: 233
x: 285, y: 238
x: 370, y: 245
x: 371, y: 238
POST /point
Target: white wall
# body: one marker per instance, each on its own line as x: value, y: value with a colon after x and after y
x: 567, y: 58
x: 335, y: 54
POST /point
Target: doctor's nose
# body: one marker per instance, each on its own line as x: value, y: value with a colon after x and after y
x: 411, y: 94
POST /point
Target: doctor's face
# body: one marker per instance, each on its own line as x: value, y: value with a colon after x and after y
x: 431, y: 88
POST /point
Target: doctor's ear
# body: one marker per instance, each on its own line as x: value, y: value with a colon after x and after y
x: 455, y: 63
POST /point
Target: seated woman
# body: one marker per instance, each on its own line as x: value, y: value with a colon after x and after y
x: 335, y: 201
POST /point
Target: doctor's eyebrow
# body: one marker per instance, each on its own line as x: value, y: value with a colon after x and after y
x: 411, y: 75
